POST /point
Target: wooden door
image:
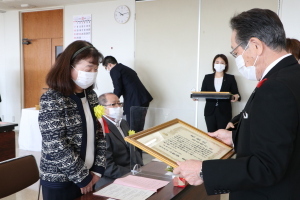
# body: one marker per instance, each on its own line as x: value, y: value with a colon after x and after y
x: 43, y: 31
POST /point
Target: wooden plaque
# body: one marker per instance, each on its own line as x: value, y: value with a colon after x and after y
x: 176, y: 140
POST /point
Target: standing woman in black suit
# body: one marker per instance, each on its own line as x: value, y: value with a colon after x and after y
x: 218, y: 112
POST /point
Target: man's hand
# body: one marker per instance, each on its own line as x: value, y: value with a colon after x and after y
x: 223, y: 135
x: 190, y: 170
x: 229, y: 125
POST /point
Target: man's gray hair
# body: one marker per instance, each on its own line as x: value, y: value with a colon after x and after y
x: 263, y: 24
x: 102, y: 98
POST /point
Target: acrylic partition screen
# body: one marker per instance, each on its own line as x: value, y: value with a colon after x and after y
x: 142, y: 118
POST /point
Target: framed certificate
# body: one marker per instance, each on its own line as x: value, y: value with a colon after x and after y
x: 178, y: 141
x: 211, y: 95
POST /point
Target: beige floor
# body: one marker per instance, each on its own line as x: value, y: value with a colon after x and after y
x: 31, y: 193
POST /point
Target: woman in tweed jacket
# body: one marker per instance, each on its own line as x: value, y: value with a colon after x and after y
x: 73, y: 148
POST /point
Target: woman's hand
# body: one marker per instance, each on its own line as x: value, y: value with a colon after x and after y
x: 88, y: 188
x: 235, y: 98
x: 95, y: 178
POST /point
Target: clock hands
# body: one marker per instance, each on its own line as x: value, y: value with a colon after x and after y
x: 123, y: 13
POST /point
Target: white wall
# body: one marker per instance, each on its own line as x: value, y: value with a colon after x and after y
x: 106, y: 33
x: 215, y: 39
x: 166, y: 53
x: 108, y: 36
x: 2, y: 69
x: 166, y: 49
x: 10, y: 67
x: 290, y: 16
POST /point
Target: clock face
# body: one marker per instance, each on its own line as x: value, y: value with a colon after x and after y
x: 122, y: 14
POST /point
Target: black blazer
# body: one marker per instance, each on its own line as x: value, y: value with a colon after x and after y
x: 118, y: 155
x: 228, y: 85
x: 267, y: 142
x: 127, y: 83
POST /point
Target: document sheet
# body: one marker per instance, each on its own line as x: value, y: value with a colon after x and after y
x: 180, y: 143
x: 132, y: 188
x: 123, y: 192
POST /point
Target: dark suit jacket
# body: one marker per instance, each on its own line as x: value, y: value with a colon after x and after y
x: 267, y: 142
x: 127, y: 83
x: 228, y: 85
x: 118, y: 156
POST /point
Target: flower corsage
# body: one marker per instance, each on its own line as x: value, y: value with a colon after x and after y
x: 131, y: 132
x: 99, y: 112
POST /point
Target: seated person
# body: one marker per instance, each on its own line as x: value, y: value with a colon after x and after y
x: 119, y: 160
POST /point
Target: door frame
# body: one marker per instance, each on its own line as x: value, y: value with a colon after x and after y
x: 21, y: 46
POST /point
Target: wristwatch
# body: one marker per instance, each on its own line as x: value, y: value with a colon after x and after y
x: 201, y: 174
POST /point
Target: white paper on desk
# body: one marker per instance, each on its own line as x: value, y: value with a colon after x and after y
x: 141, y: 182
x: 123, y: 192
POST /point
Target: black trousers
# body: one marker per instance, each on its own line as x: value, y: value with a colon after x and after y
x: 216, y: 120
x: 136, y: 119
x: 68, y: 193
x: 137, y: 116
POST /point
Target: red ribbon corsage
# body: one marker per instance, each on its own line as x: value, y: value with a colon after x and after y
x: 259, y: 84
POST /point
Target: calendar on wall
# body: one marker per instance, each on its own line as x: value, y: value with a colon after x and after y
x: 82, y: 27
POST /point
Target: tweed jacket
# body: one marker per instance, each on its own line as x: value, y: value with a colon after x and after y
x: 64, y: 139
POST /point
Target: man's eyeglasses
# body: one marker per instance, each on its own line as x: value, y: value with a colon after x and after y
x: 115, y: 104
x: 233, y: 50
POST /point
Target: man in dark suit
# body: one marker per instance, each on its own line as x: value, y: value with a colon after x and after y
x: 267, y: 139
x: 120, y: 156
x: 127, y: 83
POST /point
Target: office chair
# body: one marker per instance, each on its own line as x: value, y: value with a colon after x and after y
x: 17, y: 174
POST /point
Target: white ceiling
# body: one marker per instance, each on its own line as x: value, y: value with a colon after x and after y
x: 6, y: 5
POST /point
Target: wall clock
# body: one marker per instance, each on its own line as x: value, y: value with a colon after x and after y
x: 122, y: 14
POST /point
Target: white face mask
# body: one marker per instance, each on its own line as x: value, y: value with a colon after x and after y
x: 85, y: 79
x: 115, y: 113
x: 248, y: 72
x: 219, y: 67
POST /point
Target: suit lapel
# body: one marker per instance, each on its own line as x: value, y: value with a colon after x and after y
x: 287, y: 61
x: 211, y: 82
x: 114, y: 130
x: 124, y: 127
x: 224, y: 82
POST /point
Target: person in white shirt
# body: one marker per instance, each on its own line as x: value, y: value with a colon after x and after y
x: 218, y: 112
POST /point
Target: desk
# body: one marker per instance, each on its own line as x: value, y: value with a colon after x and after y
x: 29, y: 132
x: 157, y: 170
x: 7, y: 141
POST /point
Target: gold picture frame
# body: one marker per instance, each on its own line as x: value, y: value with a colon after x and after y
x: 177, y: 140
